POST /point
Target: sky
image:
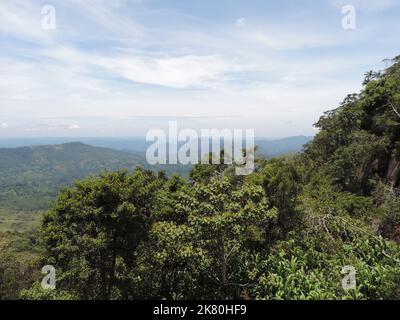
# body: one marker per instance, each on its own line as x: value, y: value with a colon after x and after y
x: 121, y: 68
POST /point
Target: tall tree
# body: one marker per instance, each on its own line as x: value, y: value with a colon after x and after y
x: 94, y: 228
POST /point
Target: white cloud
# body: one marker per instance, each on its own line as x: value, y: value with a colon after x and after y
x: 178, y: 72
x: 74, y: 127
x: 3, y: 125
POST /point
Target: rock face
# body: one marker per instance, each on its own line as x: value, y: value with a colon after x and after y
x: 393, y: 172
x: 386, y: 167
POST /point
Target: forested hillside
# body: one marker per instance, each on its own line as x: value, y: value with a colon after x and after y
x: 287, y: 231
x: 30, y: 177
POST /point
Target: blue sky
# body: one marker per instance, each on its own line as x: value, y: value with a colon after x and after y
x: 121, y: 68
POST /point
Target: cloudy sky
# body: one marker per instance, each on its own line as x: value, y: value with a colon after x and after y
x: 120, y: 68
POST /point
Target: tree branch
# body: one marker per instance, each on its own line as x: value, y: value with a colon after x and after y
x: 394, y: 109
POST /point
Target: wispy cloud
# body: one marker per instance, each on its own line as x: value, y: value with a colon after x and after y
x: 22, y: 19
x: 179, y: 72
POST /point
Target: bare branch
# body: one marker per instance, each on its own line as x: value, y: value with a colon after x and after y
x: 394, y: 109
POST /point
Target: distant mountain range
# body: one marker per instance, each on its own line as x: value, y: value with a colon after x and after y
x: 30, y: 176
x: 268, y: 147
x: 278, y: 147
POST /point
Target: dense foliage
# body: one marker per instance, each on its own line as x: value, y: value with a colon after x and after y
x: 19, y: 263
x: 287, y: 231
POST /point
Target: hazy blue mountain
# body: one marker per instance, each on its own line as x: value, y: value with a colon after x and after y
x: 268, y: 147
x: 273, y: 148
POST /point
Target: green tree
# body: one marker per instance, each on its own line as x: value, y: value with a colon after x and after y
x: 93, y: 229
x: 203, y: 257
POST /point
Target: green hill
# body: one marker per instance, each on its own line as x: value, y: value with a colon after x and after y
x: 30, y: 177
